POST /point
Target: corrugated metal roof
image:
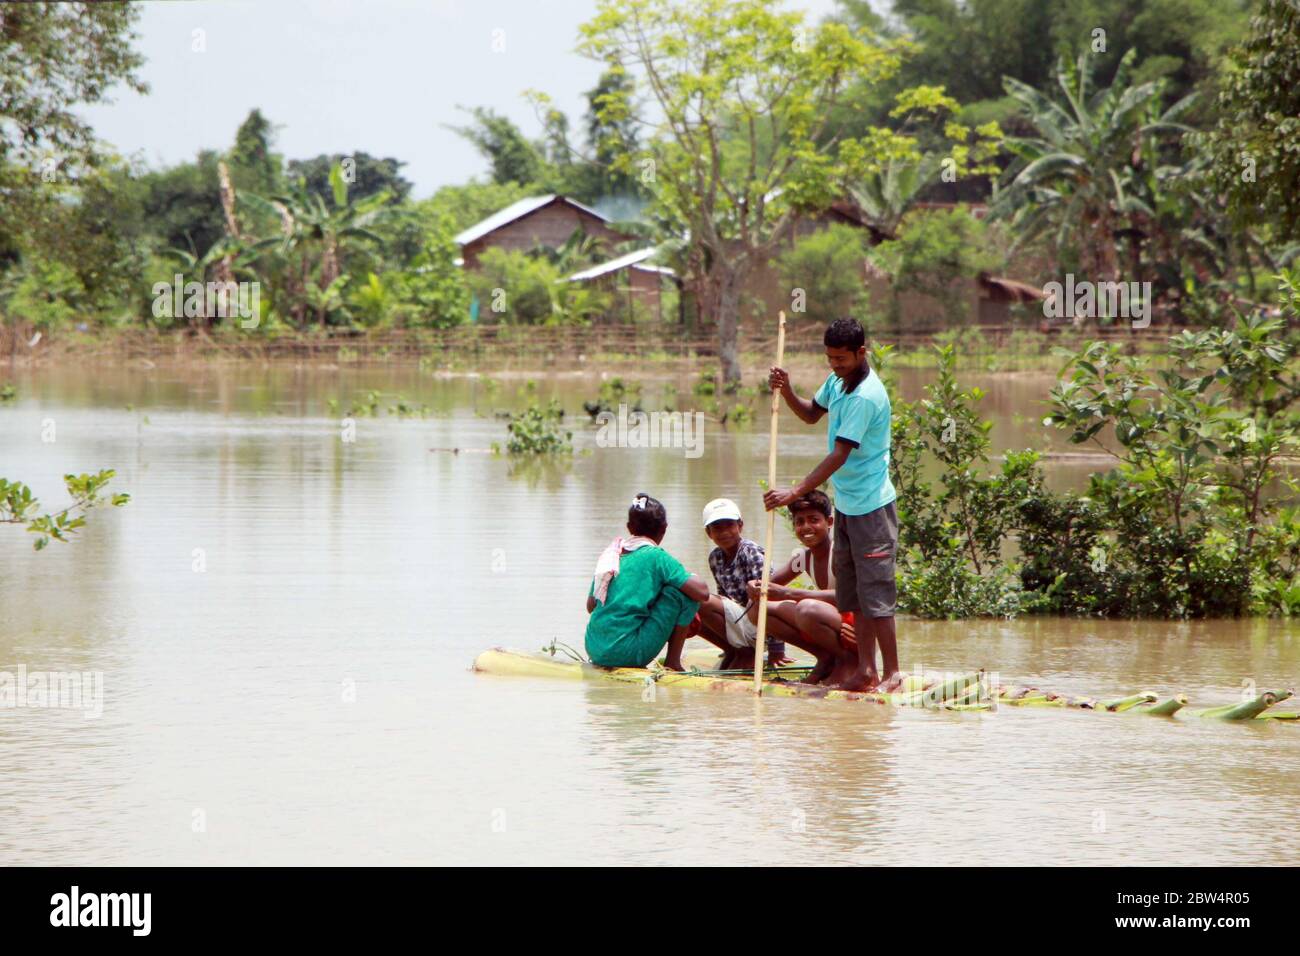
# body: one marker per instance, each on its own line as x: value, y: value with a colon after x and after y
x: 1013, y: 289
x: 662, y: 270
x: 622, y: 262
x: 517, y: 210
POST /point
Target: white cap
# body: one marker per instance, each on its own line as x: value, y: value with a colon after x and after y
x: 720, y: 509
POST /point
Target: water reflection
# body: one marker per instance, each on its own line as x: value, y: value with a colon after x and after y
x: 306, y: 692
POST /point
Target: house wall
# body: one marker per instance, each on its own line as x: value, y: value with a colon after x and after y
x: 550, y: 226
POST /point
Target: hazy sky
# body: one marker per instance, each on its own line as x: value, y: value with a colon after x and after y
x: 340, y: 75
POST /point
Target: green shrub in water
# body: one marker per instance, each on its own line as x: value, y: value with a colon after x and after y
x: 539, y: 431
x: 1188, y: 522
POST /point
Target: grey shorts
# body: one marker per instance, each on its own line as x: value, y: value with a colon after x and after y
x: 864, y: 554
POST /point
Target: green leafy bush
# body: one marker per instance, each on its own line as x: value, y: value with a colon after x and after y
x: 48, y: 294
x: 934, y: 251
x: 827, y: 266
x: 512, y: 287
x: 944, y: 586
x: 433, y: 292
x: 539, y: 431
x: 1189, y: 521
x: 953, y: 520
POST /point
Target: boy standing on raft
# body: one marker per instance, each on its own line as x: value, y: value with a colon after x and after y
x: 866, y: 522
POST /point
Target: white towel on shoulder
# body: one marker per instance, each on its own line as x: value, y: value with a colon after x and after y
x: 607, y: 563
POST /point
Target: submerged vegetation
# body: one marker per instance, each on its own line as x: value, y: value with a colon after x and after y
x: 18, y: 506
x: 538, y: 430
x: 613, y: 393
x: 927, y: 147
x: 1192, y: 520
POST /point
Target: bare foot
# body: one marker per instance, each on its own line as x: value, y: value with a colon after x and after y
x: 843, y: 669
x: 743, y: 659
x: 861, y: 681
x: 674, y: 665
x: 892, y: 683
x: 821, y: 671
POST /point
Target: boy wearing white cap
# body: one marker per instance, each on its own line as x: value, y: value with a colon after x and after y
x: 735, y: 561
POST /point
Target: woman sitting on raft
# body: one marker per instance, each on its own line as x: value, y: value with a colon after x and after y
x: 641, y: 597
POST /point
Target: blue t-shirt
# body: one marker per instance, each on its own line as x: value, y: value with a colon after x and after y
x: 862, y: 418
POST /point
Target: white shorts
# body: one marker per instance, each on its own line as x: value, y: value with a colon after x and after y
x: 741, y: 631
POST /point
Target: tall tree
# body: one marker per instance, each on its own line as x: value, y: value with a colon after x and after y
x: 54, y: 57
x: 183, y: 203
x: 366, y: 175
x: 253, y: 166
x: 735, y: 150
x: 314, y: 242
x: 611, y: 132
x: 513, y: 158
x: 1255, y: 148
x: 969, y: 45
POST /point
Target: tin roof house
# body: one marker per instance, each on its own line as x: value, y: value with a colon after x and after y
x: 522, y: 226
x: 635, y: 286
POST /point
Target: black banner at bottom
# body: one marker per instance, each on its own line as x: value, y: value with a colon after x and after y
x: 335, y: 905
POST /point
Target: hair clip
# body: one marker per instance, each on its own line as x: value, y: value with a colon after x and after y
x: 639, y: 502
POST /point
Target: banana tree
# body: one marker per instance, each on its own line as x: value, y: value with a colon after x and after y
x: 226, y: 254
x: 578, y: 252
x: 1087, y: 177
x: 328, y: 301
x: 314, y: 238
x: 885, y: 195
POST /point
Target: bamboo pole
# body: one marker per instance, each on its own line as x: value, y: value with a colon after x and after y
x: 760, y: 649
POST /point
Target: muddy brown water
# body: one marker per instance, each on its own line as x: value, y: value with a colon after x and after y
x: 283, y: 622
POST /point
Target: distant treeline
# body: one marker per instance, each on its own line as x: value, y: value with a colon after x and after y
x: 1112, y: 139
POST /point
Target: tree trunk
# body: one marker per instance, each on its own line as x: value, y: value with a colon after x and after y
x: 727, y: 282
x: 1135, y: 266
x: 226, y: 265
x: 228, y: 202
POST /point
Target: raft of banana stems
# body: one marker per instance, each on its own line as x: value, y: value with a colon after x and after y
x: 973, y: 691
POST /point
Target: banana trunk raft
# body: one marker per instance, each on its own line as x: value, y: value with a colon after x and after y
x: 972, y: 691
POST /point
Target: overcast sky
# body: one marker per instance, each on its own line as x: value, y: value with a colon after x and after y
x: 381, y: 76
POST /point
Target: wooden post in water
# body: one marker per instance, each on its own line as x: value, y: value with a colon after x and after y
x: 760, y: 649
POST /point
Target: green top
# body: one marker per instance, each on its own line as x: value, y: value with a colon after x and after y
x: 614, y: 630
x: 861, y: 418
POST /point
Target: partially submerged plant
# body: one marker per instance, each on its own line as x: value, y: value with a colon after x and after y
x: 18, y: 506
x: 539, y: 431
x: 613, y: 393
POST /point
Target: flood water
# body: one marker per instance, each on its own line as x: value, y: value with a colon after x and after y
x: 284, y: 623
